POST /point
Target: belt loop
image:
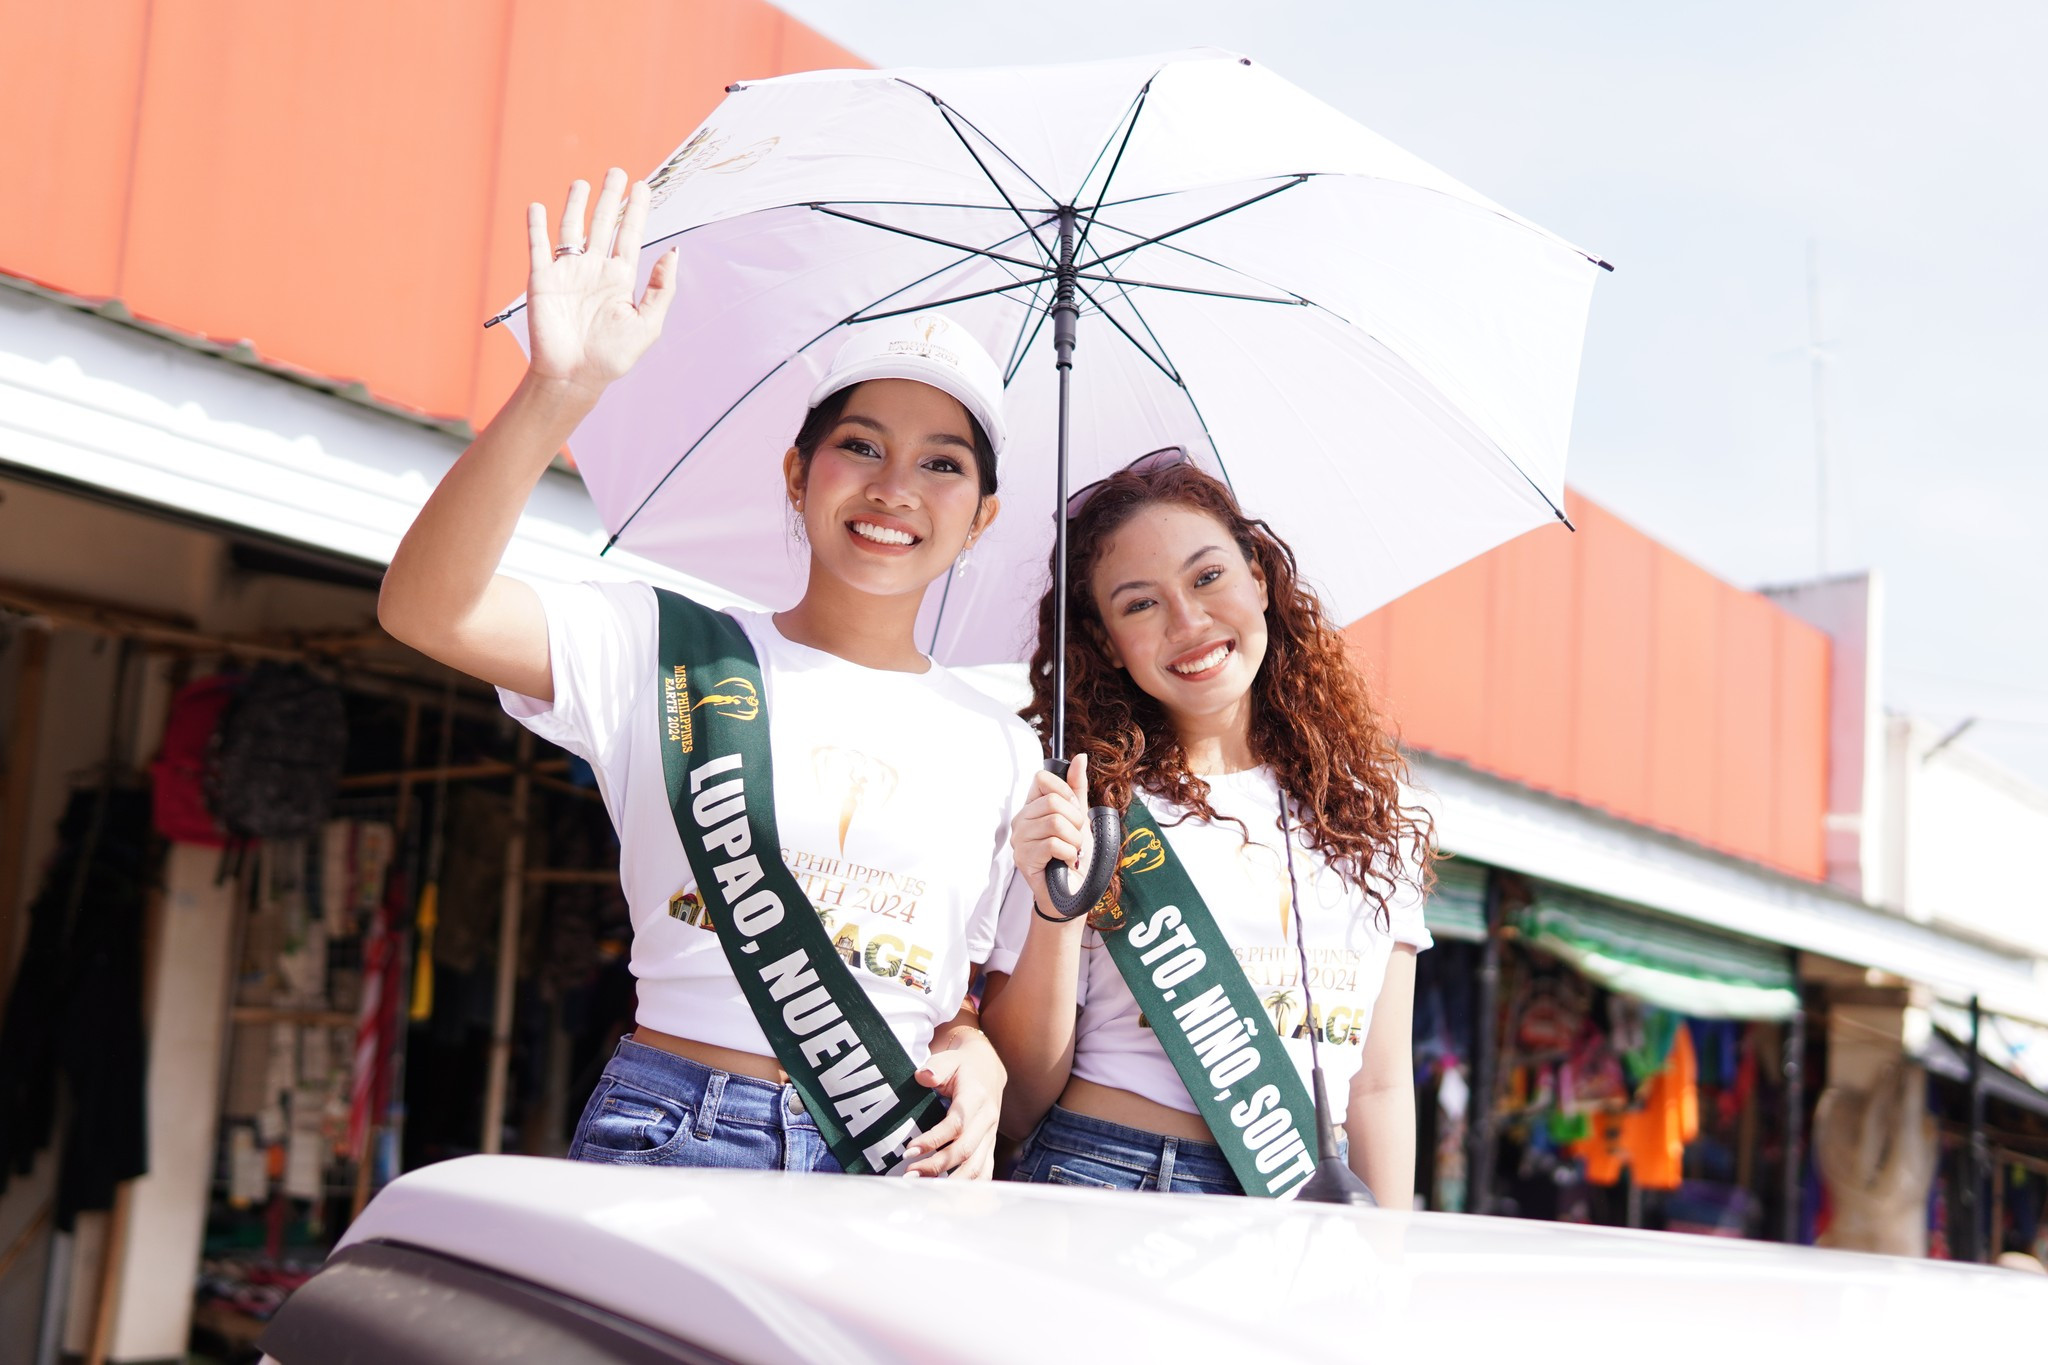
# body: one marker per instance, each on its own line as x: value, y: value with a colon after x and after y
x: 708, y: 1107
x: 1166, y: 1165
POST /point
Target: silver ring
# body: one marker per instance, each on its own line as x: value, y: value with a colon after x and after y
x: 566, y: 250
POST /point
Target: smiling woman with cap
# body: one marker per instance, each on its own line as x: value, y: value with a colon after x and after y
x: 812, y: 814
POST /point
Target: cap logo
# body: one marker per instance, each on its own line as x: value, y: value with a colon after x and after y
x: 945, y: 355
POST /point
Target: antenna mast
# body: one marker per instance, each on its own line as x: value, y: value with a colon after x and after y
x: 1817, y: 355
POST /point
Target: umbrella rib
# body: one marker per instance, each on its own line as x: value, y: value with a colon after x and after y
x: 683, y: 458
x: 1306, y: 303
x: 1026, y: 335
x: 953, y: 113
x: 931, y: 644
x: 1130, y: 128
x: 984, y: 252
x: 731, y: 408
x: 1103, y: 150
x: 947, y: 112
x: 1157, y: 362
x: 1196, y: 189
x: 912, y: 204
x: 1142, y: 322
x: 1189, y: 227
x: 864, y: 316
x: 1292, y: 300
x: 1499, y: 449
x: 1493, y: 210
x: 1186, y: 392
x: 819, y: 204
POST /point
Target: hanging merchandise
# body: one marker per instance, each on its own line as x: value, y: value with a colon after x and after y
x: 73, y: 1028
x: 282, y: 745
x: 427, y: 918
x: 183, y: 778
x: 1649, y: 1140
x: 1453, y: 1099
x: 377, y: 1015
x: 472, y: 884
x: 354, y: 855
x: 1654, y: 1032
x: 302, y: 965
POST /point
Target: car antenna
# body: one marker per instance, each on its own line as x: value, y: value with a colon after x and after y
x: 1333, y: 1181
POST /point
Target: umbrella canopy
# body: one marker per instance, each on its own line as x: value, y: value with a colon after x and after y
x: 1371, y: 354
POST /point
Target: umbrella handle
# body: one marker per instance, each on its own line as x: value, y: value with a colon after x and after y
x: 1106, y: 833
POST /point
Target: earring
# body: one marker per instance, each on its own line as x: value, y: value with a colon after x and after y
x: 964, y: 558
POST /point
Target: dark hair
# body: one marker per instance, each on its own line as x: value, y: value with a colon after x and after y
x: 819, y: 421
x: 1313, y: 719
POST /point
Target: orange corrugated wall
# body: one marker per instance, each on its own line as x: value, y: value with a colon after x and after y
x: 1605, y: 668
x: 343, y: 185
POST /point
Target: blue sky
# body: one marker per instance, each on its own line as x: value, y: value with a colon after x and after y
x: 1700, y: 147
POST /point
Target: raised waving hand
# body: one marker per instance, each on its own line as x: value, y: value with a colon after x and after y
x: 583, y: 325
x: 442, y: 594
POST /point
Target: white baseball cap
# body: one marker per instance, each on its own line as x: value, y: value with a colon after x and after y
x: 931, y: 349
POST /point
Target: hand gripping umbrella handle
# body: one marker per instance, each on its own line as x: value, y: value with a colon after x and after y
x: 1106, y: 838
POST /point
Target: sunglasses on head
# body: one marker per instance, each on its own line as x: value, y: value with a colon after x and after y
x: 1163, y: 458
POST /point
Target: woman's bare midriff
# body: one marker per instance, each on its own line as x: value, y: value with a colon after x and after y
x: 717, y: 1058
x: 1132, y: 1111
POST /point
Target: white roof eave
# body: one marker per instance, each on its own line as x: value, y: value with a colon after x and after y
x: 156, y: 422
x: 1493, y: 820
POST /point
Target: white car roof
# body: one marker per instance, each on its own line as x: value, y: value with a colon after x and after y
x: 782, y: 1268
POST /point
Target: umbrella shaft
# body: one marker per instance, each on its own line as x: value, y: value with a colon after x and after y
x: 1065, y: 313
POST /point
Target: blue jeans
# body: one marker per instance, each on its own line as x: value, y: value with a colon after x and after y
x: 653, y: 1108
x: 1074, y: 1149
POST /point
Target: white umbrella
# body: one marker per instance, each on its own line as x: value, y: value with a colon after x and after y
x: 1370, y: 353
x: 1367, y: 351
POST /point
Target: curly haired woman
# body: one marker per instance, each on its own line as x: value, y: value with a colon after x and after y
x: 1209, y: 692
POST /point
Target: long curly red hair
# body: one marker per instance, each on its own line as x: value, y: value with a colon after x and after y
x: 1313, y: 719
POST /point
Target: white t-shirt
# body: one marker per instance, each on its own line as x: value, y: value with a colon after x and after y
x: 894, y: 794
x: 1245, y: 887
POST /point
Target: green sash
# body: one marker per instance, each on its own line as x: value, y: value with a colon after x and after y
x: 1207, y: 1017
x: 855, y: 1078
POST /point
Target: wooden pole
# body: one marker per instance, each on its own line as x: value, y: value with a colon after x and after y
x: 1970, y: 1247
x: 22, y: 744
x: 574, y: 876
x: 405, y: 778
x: 1790, y: 1189
x: 109, y: 1292
x: 409, y: 740
x: 508, y: 953
x: 1997, y: 1242
x: 458, y: 772
x: 1481, y: 1133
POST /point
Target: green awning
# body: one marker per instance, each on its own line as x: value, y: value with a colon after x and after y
x: 1684, y: 967
x: 1457, y: 907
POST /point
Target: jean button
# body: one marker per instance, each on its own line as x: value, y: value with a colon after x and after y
x: 791, y: 1100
